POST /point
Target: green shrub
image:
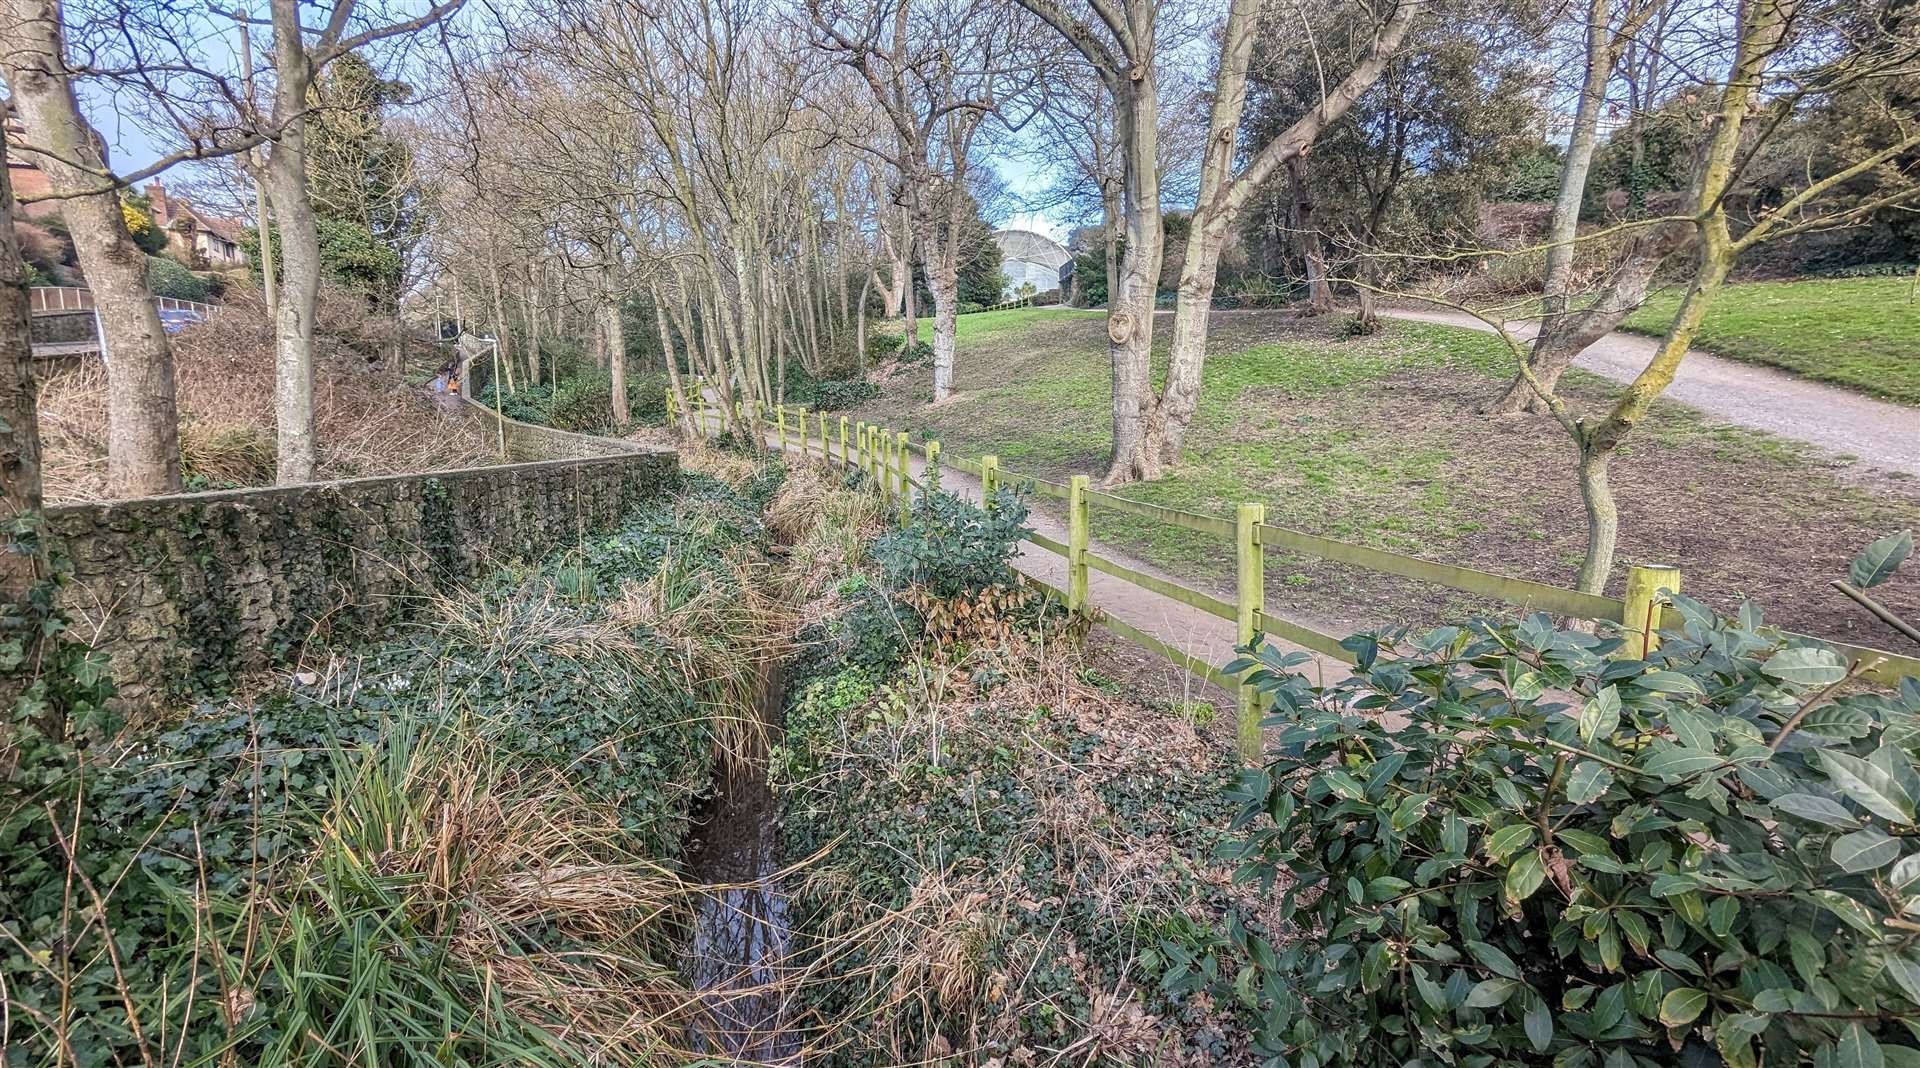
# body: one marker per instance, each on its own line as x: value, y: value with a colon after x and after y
x: 1566, y: 857
x: 951, y: 547
x: 835, y: 396
x: 168, y: 278
x: 918, y: 352
x: 882, y: 344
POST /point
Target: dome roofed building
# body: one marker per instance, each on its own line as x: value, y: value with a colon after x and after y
x: 1028, y: 258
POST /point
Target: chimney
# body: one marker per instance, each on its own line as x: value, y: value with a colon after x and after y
x: 158, y: 194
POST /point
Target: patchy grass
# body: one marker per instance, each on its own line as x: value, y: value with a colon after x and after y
x: 1858, y: 332
x: 1375, y: 440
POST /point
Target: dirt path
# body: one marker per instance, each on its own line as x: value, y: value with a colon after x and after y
x: 1876, y: 432
x: 1198, y: 634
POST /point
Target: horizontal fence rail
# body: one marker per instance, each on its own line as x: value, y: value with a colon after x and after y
x: 883, y: 454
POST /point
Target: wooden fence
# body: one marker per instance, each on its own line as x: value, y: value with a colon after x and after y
x: 883, y: 454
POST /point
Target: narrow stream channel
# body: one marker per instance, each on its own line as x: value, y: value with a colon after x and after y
x: 741, y: 935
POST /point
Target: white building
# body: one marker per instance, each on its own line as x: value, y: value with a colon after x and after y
x: 1027, y: 258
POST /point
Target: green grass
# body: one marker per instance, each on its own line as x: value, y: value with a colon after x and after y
x: 1377, y: 441
x: 1857, y: 332
x: 986, y: 324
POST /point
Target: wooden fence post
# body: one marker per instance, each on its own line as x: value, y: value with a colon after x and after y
x: 902, y: 450
x: 1078, y: 518
x: 800, y: 416
x: 1251, y: 567
x: 826, y: 446
x: 1641, y: 614
x: 989, y: 478
x: 843, y: 441
x: 930, y: 474
x: 700, y: 409
x: 780, y: 413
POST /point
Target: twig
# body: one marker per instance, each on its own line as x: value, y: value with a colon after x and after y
x: 1881, y: 612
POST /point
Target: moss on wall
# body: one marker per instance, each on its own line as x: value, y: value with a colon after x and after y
x: 191, y: 591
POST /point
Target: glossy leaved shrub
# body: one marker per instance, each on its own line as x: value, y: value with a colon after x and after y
x: 1510, y: 845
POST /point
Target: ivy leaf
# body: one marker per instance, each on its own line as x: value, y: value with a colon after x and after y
x: 1682, y: 1006
x: 1806, y: 665
x: 1816, y: 809
x: 1865, y: 851
x: 1589, y: 780
x: 1600, y: 716
x: 1877, y: 562
x: 1871, y: 786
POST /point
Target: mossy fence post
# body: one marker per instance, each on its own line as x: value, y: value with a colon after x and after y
x: 843, y: 441
x: 1640, y: 616
x: 930, y: 474
x: 902, y: 450
x: 989, y: 478
x: 826, y: 444
x: 1251, y: 568
x: 780, y: 416
x: 1078, y: 521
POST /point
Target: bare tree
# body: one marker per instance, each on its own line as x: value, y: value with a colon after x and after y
x: 938, y: 71
x: 143, y: 449
x: 297, y: 61
x: 19, y: 422
x: 1761, y: 92
x: 1149, y: 429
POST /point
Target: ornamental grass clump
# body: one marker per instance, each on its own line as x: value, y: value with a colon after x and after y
x: 1511, y: 844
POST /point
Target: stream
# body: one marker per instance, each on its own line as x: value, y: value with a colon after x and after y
x: 741, y: 931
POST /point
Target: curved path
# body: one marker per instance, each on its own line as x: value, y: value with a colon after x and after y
x: 1876, y: 432
x: 1196, y: 633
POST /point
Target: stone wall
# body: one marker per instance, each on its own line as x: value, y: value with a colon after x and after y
x: 190, y: 589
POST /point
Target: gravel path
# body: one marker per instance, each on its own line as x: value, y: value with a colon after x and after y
x: 1876, y: 432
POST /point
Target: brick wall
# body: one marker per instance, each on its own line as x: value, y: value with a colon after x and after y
x: 184, y: 589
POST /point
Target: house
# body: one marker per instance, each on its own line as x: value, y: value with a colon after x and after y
x: 1027, y: 258
x: 199, y: 238
x: 27, y: 179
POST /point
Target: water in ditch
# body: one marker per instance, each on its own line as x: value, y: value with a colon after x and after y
x: 741, y: 935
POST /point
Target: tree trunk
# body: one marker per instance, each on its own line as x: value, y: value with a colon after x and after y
x: 299, y: 299
x: 1136, y: 107
x: 143, y: 447
x: 860, y: 330
x: 1564, y: 337
x: 616, y: 357
x: 1110, y: 238
x: 299, y: 250
x: 1603, y: 520
x: 1563, y: 225
x: 1312, y: 249
x: 1223, y: 195
x: 19, y: 420
x: 944, y: 280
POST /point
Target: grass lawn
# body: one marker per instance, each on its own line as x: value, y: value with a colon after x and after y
x: 986, y: 324
x: 1375, y: 440
x: 1858, y: 332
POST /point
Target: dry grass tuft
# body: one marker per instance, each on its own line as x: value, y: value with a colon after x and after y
x: 369, y: 422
